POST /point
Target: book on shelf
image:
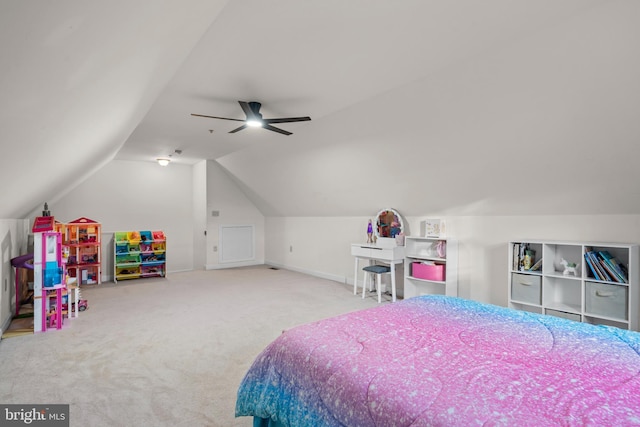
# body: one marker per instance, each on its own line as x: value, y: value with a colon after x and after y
x: 596, y: 262
x: 613, y: 277
x: 536, y: 266
x: 518, y: 253
x: 616, y: 275
x: 615, y: 266
x: 594, y: 272
x: 605, y: 267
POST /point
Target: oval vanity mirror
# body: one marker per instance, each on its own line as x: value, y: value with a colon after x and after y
x: 388, y: 224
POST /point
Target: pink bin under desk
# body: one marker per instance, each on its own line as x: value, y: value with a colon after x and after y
x: 428, y: 272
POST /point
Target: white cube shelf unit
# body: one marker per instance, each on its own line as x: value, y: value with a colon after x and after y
x: 599, y: 292
x: 431, y: 266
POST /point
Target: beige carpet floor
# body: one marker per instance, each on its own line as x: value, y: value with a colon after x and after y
x: 166, y: 351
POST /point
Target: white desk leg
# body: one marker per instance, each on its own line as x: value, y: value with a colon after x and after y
x: 355, y: 278
x: 393, y: 282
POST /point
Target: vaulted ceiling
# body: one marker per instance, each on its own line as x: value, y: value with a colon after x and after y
x: 439, y: 106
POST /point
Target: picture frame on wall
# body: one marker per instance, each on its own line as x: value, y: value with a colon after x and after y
x: 433, y: 227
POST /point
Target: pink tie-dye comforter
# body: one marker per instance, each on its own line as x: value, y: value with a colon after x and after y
x: 442, y: 361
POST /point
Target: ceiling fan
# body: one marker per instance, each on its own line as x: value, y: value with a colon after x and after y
x: 254, y: 118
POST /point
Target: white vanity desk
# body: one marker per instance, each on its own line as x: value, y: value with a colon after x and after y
x: 375, y: 252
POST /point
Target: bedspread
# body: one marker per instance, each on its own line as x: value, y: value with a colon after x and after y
x: 445, y: 361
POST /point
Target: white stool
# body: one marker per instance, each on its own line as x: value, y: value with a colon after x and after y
x: 378, y: 270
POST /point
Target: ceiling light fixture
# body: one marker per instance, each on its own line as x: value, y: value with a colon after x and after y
x: 254, y: 123
x: 163, y: 161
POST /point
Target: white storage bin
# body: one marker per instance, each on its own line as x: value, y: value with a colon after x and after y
x: 607, y: 300
x: 526, y: 288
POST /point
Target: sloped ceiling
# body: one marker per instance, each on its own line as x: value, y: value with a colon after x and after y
x: 452, y: 107
x: 76, y: 78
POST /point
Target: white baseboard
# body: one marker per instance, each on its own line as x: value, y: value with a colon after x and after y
x: 232, y: 265
x: 320, y: 274
x: 109, y: 278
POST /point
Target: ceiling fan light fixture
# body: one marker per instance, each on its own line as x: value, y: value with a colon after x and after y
x: 254, y: 123
x: 162, y: 161
x: 254, y: 119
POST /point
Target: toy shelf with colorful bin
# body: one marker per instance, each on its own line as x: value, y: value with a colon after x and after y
x: 82, y: 237
x: 139, y: 254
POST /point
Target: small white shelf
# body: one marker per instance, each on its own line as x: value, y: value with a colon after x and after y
x: 418, y: 279
x: 424, y: 249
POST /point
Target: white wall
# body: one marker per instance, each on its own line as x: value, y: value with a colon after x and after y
x: 13, y: 242
x: 233, y: 208
x: 127, y: 195
x: 321, y: 246
x: 314, y: 245
x: 177, y: 199
x: 199, y: 215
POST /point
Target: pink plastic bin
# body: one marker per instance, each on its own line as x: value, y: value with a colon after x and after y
x: 428, y: 272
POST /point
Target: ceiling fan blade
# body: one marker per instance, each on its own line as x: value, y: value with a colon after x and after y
x: 246, y: 108
x: 275, y: 129
x: 214, y: 117
x: 238, y: 129
x: 287, y: 120
x: 251, y: 109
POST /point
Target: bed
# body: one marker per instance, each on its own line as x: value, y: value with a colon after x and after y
x: 445, y: 361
